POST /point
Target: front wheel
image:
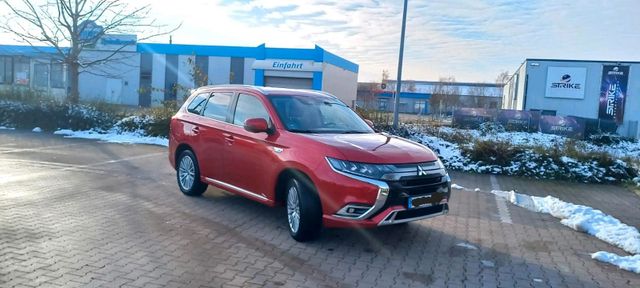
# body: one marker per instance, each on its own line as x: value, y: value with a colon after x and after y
x: 304, y: 212
x: 188, y: 175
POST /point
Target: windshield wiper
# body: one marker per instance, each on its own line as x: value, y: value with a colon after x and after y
x: 353, y: 132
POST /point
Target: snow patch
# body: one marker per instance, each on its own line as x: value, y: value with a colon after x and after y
x: 114, y: 137
x: 487, y: 263
x: 6, y: 128
x: 456, y: 186
x: 629, y: 263
x: 580, y: 218
x: 37, y: 130
x: 476, y: 190
x: 467, y: 245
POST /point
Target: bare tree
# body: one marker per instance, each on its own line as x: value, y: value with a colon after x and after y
x: 503, y: 77
x: 444, y: 95
x: 409, y: 86
x: 71, y: 26
x: 479, y: 93
x: 385, y: 76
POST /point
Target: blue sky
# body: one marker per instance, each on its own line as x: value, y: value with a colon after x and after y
x: 472, y: 40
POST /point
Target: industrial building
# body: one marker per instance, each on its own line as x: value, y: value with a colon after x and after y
x: 428, y: 97
x: 146, y: 74
x: 601, y: 92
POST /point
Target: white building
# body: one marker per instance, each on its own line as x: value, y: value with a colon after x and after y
x: 600, y: 91
x: 146, y: 74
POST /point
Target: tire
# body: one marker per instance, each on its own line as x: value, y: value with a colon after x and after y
x: 304, y: 212
x: 188, y: 174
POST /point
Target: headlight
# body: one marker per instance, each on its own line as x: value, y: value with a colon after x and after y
x: 375, y: 171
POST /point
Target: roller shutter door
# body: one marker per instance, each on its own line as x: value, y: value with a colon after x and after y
x: 288, y: 82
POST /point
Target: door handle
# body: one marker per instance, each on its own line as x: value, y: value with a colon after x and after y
x: 195, y: 130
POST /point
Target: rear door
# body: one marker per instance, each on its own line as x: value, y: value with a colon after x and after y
x: 250, y: 154
x: 211, y: 141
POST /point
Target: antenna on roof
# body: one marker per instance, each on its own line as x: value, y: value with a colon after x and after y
x: 170, y: 39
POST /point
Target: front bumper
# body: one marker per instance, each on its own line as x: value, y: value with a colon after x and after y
x: 391, y: 205
x: 392, y: 215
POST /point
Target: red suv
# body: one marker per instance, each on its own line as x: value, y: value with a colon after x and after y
x: 308, y: 151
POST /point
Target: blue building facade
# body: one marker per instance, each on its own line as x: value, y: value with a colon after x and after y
x: 147, y: 74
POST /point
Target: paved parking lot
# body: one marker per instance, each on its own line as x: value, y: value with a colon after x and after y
x: 82, y: 213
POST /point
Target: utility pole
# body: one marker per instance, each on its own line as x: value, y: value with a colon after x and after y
x: 399, y: 79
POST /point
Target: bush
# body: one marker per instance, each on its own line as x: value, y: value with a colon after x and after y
x: 150, y: 122
x: 605, y: 139
x: 50, y: 115
x: 492, y: 152
x: 491, y: 128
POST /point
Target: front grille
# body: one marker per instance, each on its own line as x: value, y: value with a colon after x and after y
x: 400, y: 191
x: 419, y: 181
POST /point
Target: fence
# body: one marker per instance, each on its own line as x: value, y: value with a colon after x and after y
x: 533, y: 121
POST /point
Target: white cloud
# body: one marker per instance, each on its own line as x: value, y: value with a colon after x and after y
x: 472, y: 40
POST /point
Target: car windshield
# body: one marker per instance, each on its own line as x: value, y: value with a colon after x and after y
x: 303, y: 114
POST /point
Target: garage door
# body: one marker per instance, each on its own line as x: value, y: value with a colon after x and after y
x: 288, y: 82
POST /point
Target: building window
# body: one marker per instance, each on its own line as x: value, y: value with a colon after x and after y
x: 41, y: 75
x: 236, y: 75
x: 201, y: 71
x: 382, y: 104
x: 22, y: 70
x: 6, y: 70
x: 146, y: 69
x: 419, y: 107
x: 171, y: 78
x: 57, y: 75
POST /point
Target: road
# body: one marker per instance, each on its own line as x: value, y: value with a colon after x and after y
x: 79, y: 213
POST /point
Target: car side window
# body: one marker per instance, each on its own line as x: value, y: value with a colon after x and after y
x: 218, y: 106
x: 198, y: 103
x: 249, y: 107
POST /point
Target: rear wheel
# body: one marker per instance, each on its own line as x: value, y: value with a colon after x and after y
x: 188, y: 175
x: 304, y: 212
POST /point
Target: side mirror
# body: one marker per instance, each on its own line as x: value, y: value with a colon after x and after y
x: 369, y: 122
x: 257, y: 125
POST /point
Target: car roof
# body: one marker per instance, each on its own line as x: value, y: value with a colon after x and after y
x: 269, y: 90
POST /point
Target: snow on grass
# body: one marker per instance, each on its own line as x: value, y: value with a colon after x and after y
x: 453, y: 146
x: 37, y: 130
x: 6, y: 128
x: 456, y: 186
x: 629, y: 263
x: 115, y: 137
x: 588, y: 220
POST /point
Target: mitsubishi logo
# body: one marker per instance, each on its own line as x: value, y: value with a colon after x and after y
x: 421, y: 171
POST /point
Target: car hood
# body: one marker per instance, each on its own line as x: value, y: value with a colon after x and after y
x: 376, y: 148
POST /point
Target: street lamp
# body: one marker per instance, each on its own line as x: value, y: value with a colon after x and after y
x: 399, y: 79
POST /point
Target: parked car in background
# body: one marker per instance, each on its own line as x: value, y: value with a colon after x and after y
x: 306, y: 150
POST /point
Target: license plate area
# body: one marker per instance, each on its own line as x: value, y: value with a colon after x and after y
x: 420, y: 201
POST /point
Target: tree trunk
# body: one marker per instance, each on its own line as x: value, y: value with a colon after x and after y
x: 74, y: 75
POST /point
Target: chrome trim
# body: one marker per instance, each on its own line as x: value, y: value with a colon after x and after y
x: 381, y: 198
x: 397, y: 175
x: 390, y: 218
x: 236, y: 188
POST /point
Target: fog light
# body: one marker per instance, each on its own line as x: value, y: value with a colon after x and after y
x: 353, y: 210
